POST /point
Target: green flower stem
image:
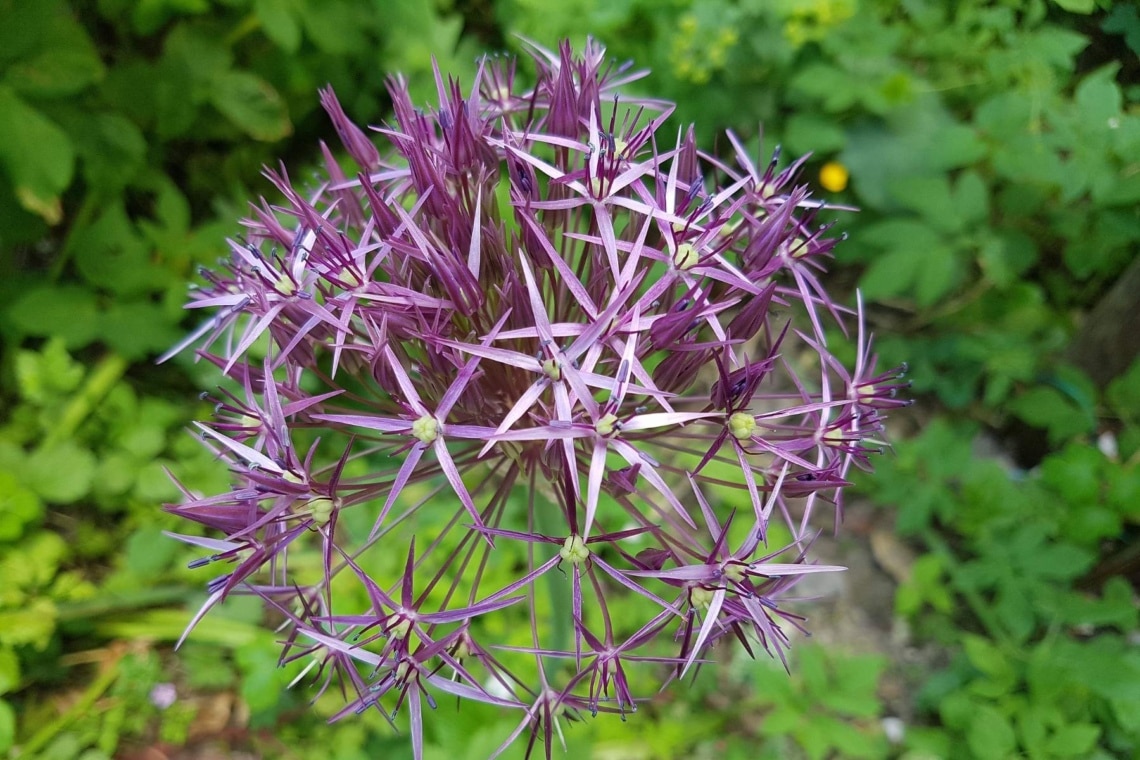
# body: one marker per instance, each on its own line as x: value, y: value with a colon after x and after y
x: 80, y: 221
x: 83, y: 706
x: 99, y: 383
x: 549, y: 521
x: 117, y: 603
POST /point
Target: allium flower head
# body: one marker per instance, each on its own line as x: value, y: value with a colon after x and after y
x: 533, y: 405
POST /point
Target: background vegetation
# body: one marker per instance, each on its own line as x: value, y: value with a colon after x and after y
x: 994, y: 149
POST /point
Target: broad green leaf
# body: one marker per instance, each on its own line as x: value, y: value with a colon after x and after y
x: 137, y: 329
x: 56, y: 73
x: 334, y: 25
x: 1077, y: 6
x: 1124, y: 19
x: 891, y: 273
x: 990, y: 736
x: 68, y: 313
x: 939, y: 274
x: 1014, y: 609
x: 112, y: 151
x: 153, y: 483
x: 1058, y: 561
x: 1074, y: 740
x: 1123, y: 392
x: 279, y: 23
x: 36, y: 155
x: 1126, y: 710
x: 1032, y: 727
x: 1098, y: 98
x: 1006, y: 256
x: 1046, y: 407
x: 1075, y: 473
x: 116, y: 474
x: 25, y: 27
x: 7, y: 726
x: 61, y: 474
x: 971, y: 200
x: 929, y: 197
x: 251, y: 104
x: 112, y: 255
x: 9, y: 670
x: 147, y: 16
x: 987, y: 658
x: 835, y: 89
x: 32, y: 625
x: 47, y: 374
x: 19, y: 506
x: 149, y: 553
x: 809, y: 133
x: 812, y: 668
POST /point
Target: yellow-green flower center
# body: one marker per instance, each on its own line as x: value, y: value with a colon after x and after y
x: 321, y: 509
x: 285, y: 285
x: 426, y: 428
x: 701, y: 597
x: 574, y: 550
x: 741, y: 426
x: 833, y: 437
x: 686, y: 257
x: 734, y: 571
x: 351, y: 279
x: 400, y: 630
x: 607, y: 425
x: 553, y: 369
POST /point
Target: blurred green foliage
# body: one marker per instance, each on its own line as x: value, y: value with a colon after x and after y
x: 992, y: 147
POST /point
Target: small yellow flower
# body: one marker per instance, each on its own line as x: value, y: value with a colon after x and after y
x: 833, y: 176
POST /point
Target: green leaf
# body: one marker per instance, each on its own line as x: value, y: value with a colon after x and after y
x: 809, y: 133
x: 148, y: 15
x: 990, y: 735
x: 56, y: 73
x: 116, y: 475
x: 1074, y: 740
x: 1058, y: 561
x: 279, y: 23
x: 110, y: 253
x: 149, y: 552
x: 9, y: 671
x: 32, y: 625
x: 112, y: 151
x: 66, y: 312
x: 19, y: 506
x: 252, y: 105
x: 971, y: 200
x: 7, y: 726
x: 1125, y: 20
x: 335, y: 27
x: 987, y: 658
x: 1077, y: 6
x: 1015, y: 610
x: 939, y: 274
x: 36, y: 154
x: 928, y: 196
x: 1004, y: 257
x: 1048, y: 408
x: 138, y: 329
x: 61, y: 474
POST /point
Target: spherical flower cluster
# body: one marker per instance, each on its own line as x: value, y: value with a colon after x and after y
x: 516, y: 410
